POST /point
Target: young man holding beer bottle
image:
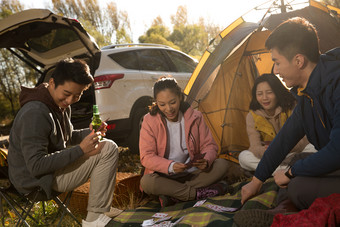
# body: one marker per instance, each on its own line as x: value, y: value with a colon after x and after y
x: 45, y: 151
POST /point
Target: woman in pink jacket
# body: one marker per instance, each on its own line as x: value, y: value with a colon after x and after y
x: 177, y: 150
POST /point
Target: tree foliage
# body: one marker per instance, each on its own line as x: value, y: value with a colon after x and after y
x: 106, y: 24
x: 13, y: 71
x: 157, y: 33
x: 191, y: 38
x: 180, y: 18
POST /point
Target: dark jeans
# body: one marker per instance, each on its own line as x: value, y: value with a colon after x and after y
x: 302, y: 190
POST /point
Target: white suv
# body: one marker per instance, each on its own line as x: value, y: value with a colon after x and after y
x: 124, y: 74
x: 124, y: 80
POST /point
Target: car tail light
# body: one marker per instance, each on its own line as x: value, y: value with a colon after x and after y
x: 111, y: 126
x: 106, y: 81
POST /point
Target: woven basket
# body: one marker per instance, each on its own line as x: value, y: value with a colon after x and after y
x: 125, y: 193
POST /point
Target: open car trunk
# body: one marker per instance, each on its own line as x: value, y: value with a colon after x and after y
x: 41, y: 38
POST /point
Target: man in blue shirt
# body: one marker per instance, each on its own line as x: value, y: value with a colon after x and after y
x: 315, y: 80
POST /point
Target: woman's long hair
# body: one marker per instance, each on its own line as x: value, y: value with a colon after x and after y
x: 163, y: 83
x: 284, y: 98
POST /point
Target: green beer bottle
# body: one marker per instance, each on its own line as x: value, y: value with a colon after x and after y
x: 96, y: 121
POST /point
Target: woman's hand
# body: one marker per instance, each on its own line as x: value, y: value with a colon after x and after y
x: 250, y: 190
x: 179, y: 167
x: 201, y: 164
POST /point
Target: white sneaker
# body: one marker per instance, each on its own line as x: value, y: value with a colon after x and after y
x: 101, y: 221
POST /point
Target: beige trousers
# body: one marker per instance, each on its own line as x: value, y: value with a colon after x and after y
x: 184, y: 188
x: 101, y: 168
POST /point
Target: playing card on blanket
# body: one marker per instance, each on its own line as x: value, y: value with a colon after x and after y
x: 199, y: 203
x: 159, y: 215
x: 148, y: 222
x: 221, y: 208
x: 163, y: 224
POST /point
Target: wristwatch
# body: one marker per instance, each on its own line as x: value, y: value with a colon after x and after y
x: 290, y: 176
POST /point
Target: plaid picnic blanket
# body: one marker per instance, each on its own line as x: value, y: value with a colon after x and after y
x: 202, y: 215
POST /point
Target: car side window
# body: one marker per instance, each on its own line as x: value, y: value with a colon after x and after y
x: 182, y: 62
x: 127, y: 59
x: 152, y: 60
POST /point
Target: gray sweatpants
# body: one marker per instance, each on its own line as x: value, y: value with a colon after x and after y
x: 101, y: 168
x: 184, y: 188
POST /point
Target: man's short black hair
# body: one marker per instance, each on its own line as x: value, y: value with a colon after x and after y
x: 295, y: 36
x: 74, y: 70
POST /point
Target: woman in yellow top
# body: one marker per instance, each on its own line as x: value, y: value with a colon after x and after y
x: 271, y: 105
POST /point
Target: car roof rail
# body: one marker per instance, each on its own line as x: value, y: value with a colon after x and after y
x: 133, y: 44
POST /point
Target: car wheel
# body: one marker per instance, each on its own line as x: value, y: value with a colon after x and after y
x: 136, y: 124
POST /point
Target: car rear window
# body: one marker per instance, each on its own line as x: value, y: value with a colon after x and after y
x: 127, y: 59
x: 182, y: 62
x: 53, y: 39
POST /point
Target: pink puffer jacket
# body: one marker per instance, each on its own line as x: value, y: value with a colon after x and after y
x: 153, y: 139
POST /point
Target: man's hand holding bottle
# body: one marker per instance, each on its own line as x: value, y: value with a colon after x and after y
x: 97, y: 124
x: 90, y: 145
x: 102, y: 128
